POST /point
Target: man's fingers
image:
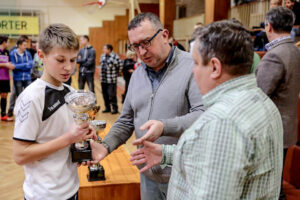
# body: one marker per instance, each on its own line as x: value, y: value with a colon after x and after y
x: 146, y: 125
x: 139, y: 162
x: 137, y: 152
x: 138, y: 141
x: 148, y: 144
x: 137, y: 157
x: 145, y: 168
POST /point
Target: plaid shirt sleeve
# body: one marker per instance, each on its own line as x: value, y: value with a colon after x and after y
x: 213, y: 163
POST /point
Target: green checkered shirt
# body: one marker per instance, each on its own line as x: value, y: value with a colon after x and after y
x: 233, y: 151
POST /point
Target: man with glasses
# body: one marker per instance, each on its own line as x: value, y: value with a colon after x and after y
x: 162, y: 95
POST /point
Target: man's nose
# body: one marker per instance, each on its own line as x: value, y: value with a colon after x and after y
x: 142, y: 50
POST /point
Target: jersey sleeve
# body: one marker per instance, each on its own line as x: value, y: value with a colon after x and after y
x: 28, y: 118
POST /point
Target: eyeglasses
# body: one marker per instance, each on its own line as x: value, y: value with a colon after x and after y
x: 144, y: 44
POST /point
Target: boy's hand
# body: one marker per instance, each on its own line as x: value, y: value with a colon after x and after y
x: 78, y: 133
x: 10, y: 66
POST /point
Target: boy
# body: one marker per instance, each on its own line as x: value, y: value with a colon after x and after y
x: 5, y: 66
x: 44, y: 127
x: 22, y: 60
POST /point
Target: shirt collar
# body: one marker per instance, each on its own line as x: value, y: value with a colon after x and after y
x: 168, y: 61
x: 270, y: 45
x: 241, y: 82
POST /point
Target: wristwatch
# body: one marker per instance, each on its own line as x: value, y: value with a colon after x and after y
x: 106, y: 146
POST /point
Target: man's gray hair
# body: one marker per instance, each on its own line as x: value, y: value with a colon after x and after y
x: 137, y: 20
x: 281, y: 19
x: 58, y: 35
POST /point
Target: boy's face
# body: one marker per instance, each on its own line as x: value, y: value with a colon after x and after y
x: 289, y: 4
x: 58, y: 65
x: 5, y: 44
x: 22, y: 46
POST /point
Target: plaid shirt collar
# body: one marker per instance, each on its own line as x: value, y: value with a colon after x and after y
x: 246, y: 81
x: 270, y: 45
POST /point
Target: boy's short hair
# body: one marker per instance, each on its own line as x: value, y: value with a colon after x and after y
x: 230, y: 43
x: 109, y: 46
x: 58, y: 35
x: 3, y: 39
x: 21, y: 40
x: 86, y: 37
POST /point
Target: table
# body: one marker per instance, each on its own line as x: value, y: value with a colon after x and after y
x: 122, y: 179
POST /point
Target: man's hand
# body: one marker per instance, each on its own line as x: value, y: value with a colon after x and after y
x: 98, y: 152
x: 151, y: 154
x: 155, y: 129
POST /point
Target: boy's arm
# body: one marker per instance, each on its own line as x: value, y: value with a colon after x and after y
x: 29, y: 64
x: 26, y: 152
x: 7, y: 65
x: 19, y: 66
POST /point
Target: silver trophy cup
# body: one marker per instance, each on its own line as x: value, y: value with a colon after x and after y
x: 80, y: 102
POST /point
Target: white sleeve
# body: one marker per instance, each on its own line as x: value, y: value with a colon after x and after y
x: 28, y: 118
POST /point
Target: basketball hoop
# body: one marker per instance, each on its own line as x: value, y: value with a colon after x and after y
x: 100, y: 3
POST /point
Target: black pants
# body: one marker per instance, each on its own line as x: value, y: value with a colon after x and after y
x: 109, y: 91
x: 86, y: 78
x: 282, y: 194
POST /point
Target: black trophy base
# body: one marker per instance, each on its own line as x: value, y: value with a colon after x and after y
x: 96, y: 174
x: 81, y: 155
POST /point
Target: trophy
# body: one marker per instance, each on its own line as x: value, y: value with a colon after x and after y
x: 80, y: 102
x: 96, y: 171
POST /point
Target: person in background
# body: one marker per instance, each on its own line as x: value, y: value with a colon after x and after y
x: 22, y: 60
x: 128, y: 68
x: 275, y: 3
x: 12, y: 98
x: 5, y: 66
x: 295, y: 7
x: 279, y: 70
x: 33, y: 48
x: 234, y: 149
x: 192, y: 41
x: 176, y: 44
x: 37, y: 69
x: 110, y: 69
x: 86, y: 60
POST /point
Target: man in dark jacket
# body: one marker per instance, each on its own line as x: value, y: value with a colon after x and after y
x: 86, y: 60
x: 279, y: 71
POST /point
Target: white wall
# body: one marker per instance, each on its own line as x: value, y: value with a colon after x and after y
x: 69, y: 12
x: 184, y: 28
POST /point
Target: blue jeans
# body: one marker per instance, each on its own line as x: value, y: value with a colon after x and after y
x: 152, y: 190
x: 20, y: 85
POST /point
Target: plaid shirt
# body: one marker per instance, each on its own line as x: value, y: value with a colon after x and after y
x: 271, y: 44
x: 233, y: 151
x: 110, y: 68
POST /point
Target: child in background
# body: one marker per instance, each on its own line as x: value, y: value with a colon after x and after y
x: 44, y: 126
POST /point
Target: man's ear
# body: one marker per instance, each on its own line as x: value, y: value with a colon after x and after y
x: 268, y: 27
x: 216, y: 68
x: 165, y: 34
